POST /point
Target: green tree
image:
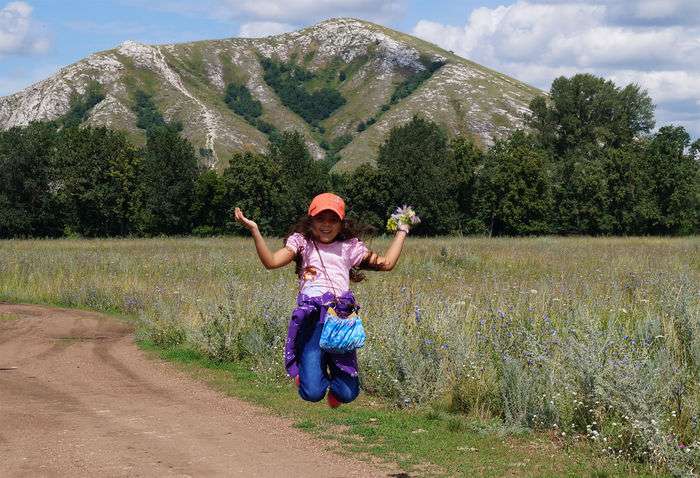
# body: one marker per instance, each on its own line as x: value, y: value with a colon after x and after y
x: 290, y: 82
x: 587, y: 110
x: 302, y: 175
x: 695, y: 150
x: 630, y: 190
x: 411, y: 84
x: 583, y: 194
x: 81, y: 104
x: 256, y: 184
x: 240, y: 100
x: 367, y: 194
x: 210, y: 207
x: 676, y: 181
x: 591, y: 128
x: 148, y: 117
x: 97, y: 170
x: 166, y: 184
x: 515, y: 187
x: 29, y: 205
x: 470, y: 161
x: 421, y: 170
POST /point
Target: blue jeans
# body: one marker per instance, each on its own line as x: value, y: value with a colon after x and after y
x: 317, y: 373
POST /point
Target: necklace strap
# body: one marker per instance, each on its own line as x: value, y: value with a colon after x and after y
x: 335, y: 293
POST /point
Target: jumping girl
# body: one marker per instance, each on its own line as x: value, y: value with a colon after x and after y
x: 328, y: 253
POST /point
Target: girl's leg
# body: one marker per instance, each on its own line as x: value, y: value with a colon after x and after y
x: 313, y: 381
x: 344, y: 386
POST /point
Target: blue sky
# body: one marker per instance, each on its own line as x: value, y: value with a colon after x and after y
x: 655, y: 43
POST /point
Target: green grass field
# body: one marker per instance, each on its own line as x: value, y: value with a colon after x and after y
x: 540, y: 356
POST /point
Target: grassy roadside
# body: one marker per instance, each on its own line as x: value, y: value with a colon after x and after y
x: 423, y: 442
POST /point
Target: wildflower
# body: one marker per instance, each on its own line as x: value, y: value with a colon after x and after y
x: 418, y: 313
x: 403, y: 215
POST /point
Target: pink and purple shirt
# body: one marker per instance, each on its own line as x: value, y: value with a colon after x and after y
x: 338, y: 257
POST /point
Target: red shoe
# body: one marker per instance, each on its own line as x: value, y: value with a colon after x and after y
x: 297, y: 381
x: 332, y: 401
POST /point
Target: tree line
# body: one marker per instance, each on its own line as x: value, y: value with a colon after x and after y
x: 587, y: 164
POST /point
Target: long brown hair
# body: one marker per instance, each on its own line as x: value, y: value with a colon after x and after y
x: 350, y: 229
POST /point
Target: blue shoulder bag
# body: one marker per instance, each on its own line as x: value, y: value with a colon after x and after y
x: 340, y: 334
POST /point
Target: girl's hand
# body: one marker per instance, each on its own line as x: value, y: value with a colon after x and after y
x: 250, y: 225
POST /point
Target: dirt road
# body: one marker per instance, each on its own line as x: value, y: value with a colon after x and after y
x: 77, y: 398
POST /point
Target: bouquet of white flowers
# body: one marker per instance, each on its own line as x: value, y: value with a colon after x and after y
x: 403, y: 215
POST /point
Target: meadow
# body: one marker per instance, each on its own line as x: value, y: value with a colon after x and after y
x: 589, y: 340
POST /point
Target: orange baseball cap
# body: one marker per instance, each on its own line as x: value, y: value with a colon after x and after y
x: 328, y: 201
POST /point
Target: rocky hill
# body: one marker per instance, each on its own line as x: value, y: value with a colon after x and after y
x: 383, y: 76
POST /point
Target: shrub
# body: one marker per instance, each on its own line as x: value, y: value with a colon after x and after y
x: 239, y: 99
x: 289, y: 82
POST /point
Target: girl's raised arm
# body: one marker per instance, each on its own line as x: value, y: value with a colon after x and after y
x: 269, y: 259
x: 374, y: 261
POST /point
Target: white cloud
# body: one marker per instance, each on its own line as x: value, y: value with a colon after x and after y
x: 664, y: 86
x: 18, y: 31
x: 537, y: 42
x: 263, y: 29
x: 656, y: 9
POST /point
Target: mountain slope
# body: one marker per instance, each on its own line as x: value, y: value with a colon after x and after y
x: 365, y: 62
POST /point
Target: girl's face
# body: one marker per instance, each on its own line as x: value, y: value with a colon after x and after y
x: 326, y: 225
